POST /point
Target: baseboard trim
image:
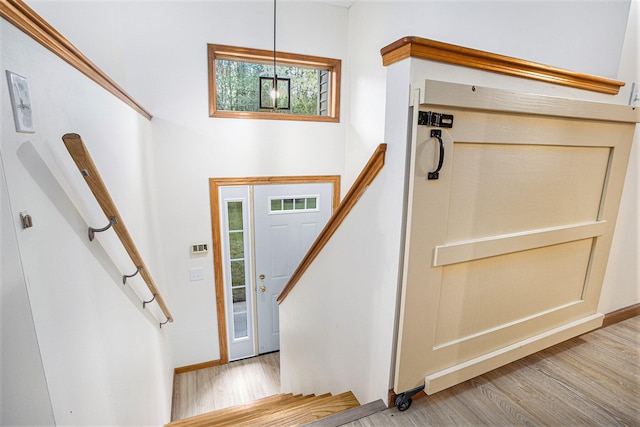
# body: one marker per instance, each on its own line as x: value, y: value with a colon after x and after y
x: 620, y: 315
x: 197, y: 366
x: 609, y: 319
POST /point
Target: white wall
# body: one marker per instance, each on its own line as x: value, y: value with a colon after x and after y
x: 584, y: 36
x: 356, y: 284
x: 622, y: 280
x: 24, y: 397
x: 158, y: 52
x: 566, y: 34
x: 337, y: 325
x: 191, y: 147
x: 102, y: 359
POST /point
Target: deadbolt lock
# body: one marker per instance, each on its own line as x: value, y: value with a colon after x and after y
x: 261, y: 277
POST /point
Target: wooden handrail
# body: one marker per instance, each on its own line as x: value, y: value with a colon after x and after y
x: 416, y: 47
x: 87, y: 167
x: 28, y: 21
x: 366, y: 177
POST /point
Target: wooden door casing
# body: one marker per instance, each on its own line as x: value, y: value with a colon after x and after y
x: 215, y: 184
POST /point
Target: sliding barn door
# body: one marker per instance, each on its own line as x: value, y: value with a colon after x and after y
x: 506, y: 250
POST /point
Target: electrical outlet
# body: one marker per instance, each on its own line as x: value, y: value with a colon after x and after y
x: 634, y: 99
x: 196, y: 274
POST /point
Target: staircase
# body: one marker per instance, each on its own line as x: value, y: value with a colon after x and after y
x: 281, y: 410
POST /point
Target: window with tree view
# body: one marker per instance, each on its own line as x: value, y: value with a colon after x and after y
x: 308, y: 88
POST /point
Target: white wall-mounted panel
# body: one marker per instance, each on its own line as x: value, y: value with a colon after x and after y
x: 505, y: 179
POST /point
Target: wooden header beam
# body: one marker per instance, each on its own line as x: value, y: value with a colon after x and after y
x: 416, y: 47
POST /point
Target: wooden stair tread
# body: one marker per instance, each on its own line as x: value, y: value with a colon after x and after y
x: 277, y: 401
x: 279, y: 413
x: 246, y: 418
x: 235, y: 414
x: 312, y: 411
x: 278, y: 410
x: 259, y: 418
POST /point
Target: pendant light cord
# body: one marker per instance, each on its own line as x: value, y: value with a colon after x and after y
x: 275, y: 75
x: 274, y: 37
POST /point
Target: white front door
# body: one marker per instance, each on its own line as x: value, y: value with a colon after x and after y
x: 288, y: 218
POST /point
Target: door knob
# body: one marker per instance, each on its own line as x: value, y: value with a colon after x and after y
x: 263, y: 288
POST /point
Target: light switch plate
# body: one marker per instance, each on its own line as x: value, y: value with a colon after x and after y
x: 20, y: 102
x: 196, y: 273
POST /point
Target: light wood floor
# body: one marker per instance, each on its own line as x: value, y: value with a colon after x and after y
x: 592, y: 380
x: 223, y: 386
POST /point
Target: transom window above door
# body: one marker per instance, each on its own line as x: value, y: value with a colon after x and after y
x: 241, y: 85
x: 293, y: 204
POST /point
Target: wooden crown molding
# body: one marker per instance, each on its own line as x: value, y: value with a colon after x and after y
x: 25, y: 19
x: 416, y: 47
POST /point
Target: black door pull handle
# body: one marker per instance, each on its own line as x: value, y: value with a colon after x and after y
x: 437, y: 133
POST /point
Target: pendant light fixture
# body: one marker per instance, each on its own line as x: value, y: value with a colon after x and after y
x: 275, y: 92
